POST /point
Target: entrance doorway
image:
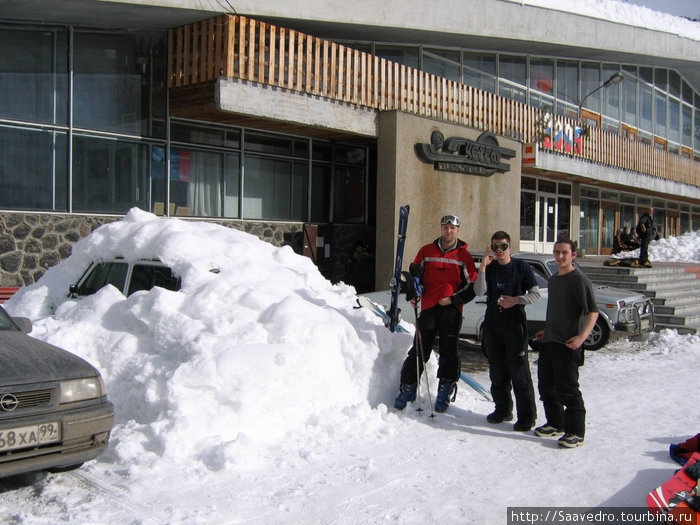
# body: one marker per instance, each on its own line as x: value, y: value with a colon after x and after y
x: 673, y: 224
x: 545, y: 223
x: 609, y: 223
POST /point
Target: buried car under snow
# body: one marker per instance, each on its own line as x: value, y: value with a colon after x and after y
x: 622, y: 312
x: 54, y: 412
x: 126, y: 276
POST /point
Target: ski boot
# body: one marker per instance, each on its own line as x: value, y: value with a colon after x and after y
x: 406, y: 393
x: 447, y: 392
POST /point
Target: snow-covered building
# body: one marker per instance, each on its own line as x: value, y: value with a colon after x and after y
x: 309, y: 123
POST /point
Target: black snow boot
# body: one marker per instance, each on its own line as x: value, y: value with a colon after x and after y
x: 447, y: 392
x: 406, y: 393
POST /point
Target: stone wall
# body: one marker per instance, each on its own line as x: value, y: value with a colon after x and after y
x: 31, y: 243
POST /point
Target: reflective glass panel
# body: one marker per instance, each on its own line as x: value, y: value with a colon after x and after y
x: 33, y: 169
x: 33, y: 76
x: 109, y: 175
x: 110, y: 83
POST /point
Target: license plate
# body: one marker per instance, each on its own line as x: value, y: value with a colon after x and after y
x: 29, y: 436
x: 644, y: 325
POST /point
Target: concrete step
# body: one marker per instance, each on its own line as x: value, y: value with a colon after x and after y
x: 677, y: 320
x: 689, y: 297
x: 685, y: 309
x: 685, y: 329
x: 674, y: 290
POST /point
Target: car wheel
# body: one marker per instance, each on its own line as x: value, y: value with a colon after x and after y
x: 599, y: 335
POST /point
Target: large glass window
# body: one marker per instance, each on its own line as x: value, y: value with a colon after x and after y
x: 406, y: 55
x: 674, y: 120
x: 33, y: 170
x: 479, y: 71
x: 660, y: 111
x: 33, y: 76
x: 109, y: 175
x: 513, y: 68
x: 645, y: 106
x: 274, y: 189
x: 542, y: 75
x: 443, y: 63
x: 590, y: 81
x: 611, y: 94
x: 629, y: 97
x: 589, y: 225
x: 112, y: 83
x: 687, y: 126
x: 567, y: 81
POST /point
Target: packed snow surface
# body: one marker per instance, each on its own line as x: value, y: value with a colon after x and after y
x: 626, y: 13
x: 260, y: 394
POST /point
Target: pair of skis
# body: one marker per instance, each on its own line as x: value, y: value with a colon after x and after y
x: 391, y: 317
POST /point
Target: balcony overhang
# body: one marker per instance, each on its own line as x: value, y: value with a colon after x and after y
x: 251, y: 104
x: 574, y: 169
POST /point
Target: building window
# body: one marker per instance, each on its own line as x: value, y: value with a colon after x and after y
x: 34, y: 76
x: 589, y: 225
x: 109, y: 175
x: 112, y: 77
x: 33, y: 169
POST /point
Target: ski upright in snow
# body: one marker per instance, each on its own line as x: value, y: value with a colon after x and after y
x: 395, y: 285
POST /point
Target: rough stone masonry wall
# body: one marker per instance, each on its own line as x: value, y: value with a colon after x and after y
x: 31, y: 243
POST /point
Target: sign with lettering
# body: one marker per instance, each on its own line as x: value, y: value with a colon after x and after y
x: 459, y: 155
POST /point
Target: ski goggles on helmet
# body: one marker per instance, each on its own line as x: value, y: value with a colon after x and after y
x: 450, y: 219
x: 499, y: 246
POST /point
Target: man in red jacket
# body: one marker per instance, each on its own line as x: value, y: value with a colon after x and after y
x: 446, y: 270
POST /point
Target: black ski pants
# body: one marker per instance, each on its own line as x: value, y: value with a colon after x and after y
x: 505, y: 345
x: 438, y: 321
x: 557, y: 375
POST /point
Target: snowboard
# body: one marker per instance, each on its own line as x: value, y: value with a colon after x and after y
x: 379, y: 311
x: 671, y: 498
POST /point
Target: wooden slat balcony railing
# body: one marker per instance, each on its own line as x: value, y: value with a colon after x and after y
x: 234, y: 46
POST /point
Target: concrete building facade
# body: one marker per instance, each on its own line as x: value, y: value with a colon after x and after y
x: 309, y: 124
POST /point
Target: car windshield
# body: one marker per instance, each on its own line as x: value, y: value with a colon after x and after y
x: 113, y: 273
x: 5, y: 321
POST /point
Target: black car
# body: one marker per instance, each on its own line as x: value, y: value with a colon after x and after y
x: 54, y: 412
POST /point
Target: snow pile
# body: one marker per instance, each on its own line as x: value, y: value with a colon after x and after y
x: 242, y: 358
x: 259, y: 395
x: 624, y: 13
x: 685, y: 249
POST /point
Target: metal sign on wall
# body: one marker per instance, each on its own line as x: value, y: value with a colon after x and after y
x: 460, y: 155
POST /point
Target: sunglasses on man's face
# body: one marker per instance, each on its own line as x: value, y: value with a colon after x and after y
x: 450, y: 219
x: 500, y: 246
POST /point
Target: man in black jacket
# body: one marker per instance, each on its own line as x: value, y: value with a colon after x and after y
x: 644, y: 228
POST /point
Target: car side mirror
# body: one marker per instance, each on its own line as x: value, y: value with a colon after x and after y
x: 73, y: 290
x: 23, y: 323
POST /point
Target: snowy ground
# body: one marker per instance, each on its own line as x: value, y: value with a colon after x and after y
x: 259, y: 395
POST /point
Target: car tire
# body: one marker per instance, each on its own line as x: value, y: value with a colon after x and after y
x: 599, y: 337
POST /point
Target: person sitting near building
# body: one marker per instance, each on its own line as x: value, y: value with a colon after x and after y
x: 621, y: 243
x: 628, y: 238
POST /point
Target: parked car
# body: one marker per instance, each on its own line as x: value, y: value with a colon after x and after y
x: 127, y: 276
x: 622, y: 312
x: 54, y: 412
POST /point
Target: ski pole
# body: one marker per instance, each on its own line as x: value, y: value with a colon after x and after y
x: 419, y: 340
x: 419, y: 343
